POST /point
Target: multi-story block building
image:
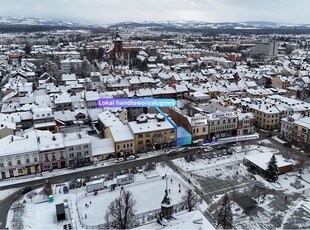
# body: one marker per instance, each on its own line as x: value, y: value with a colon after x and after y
x: 52, y: 150
x: 280, y: 82
x: 222, y: 124
x: 77, y: 148
x: 266, y: 116
x: 152, y: 132
x: 62, y: 102
x: 301, y: 132
x: 43, y: 119
x: 287, y: 125
x: 124, y: 143
x: 18, y: 156
x: 246, y: 123
x: 70, y: 65
x: 266, y: 48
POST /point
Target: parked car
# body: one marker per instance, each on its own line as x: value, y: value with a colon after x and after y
x: 120, y: 160
x: 287, y: 144
x: 171, y: 152
x: 185, y: 150
x: 131, y: 157
x: 65, y: 189
x: 187, y: 159
x: 229, y: 151
x: 222, y: 146
x: 208, y: 149
x: 25, y: 190
x: 203, y: 156
x: 192, y: 157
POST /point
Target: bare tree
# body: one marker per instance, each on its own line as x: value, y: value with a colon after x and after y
x: 121, y: 213
x: 190, y: 200
x: 225, y: 218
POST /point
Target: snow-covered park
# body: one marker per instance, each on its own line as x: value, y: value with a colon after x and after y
x: 87, y: 210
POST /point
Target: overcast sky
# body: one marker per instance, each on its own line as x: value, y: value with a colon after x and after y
x: 111, y: 11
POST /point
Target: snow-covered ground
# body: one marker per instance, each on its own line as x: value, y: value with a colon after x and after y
x: 148, y: 191
x: 227, y: 174
x: 223, y: 174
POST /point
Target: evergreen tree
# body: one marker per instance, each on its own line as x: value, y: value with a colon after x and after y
x: 27, y: 48
x: 225, y: 218
x: 272, y: 170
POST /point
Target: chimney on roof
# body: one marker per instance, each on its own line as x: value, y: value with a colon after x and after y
x: 38, y: 139
x: 12, y: 138
x: 54, y: 138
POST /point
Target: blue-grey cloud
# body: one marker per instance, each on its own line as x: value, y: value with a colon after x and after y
x: 107, y: 11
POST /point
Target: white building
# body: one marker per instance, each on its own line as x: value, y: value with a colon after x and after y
x: 70, y: 65
x: 266, y: 48
x: 18, y: 156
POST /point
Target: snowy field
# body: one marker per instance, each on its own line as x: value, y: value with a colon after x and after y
x: 148, y: 193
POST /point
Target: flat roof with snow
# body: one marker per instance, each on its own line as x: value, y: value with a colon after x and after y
x: 262, y: 159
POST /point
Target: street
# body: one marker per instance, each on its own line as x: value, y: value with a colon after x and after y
x: 213, y: 185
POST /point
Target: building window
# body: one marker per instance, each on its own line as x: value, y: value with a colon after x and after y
x: 78, y: 147
x: 18, y: 162
x: 79, y: 153
x: 35, y: 159
x: 20, y: 171
x: 70, y: 148
x: 46, y: 157
x: 10, y: 163
x: 1, y: 165
x: 27, y: 160
x: 86, y: 153
x: 71, y: 154
x: 85, y: 146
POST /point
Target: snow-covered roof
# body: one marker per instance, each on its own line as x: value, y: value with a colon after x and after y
x: 101, y: 146
x: 121, y: 133
x: 262, y: 159
x: 152, y: 125
x: 18, y: 145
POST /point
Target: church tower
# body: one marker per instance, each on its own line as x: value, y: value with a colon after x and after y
x: 118, y: 47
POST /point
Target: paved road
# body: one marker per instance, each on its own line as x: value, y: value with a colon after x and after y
x: 6, y: 204
x: 101, y: 170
